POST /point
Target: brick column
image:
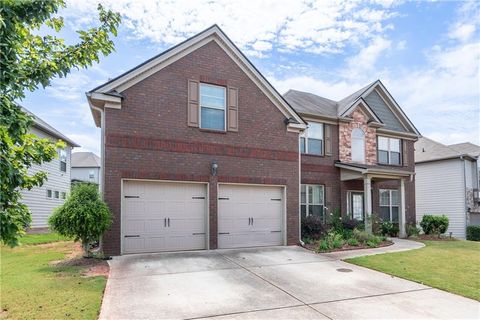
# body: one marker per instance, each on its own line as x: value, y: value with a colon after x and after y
x: 213, y: 210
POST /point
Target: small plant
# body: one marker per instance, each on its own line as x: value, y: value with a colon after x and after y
x: 434, y: 224
x: 83, y: 217
x: 388, y: 228
x: 361, y: 236
x: 335, y: 221
x: 323, y: 246
x: 308, y: 240
x: 353, y: 242
x: 473, y: 233
x: 412, y: 230
x: 312, y: 227
x: 331, y: 241
x: 373, y: 242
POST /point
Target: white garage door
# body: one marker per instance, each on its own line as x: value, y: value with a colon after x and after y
x: 249, y: 216
x: 163, y: 216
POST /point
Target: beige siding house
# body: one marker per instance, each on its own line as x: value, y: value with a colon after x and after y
x: 447, y: 183
x: 86, y: 168
x: 43, y: 200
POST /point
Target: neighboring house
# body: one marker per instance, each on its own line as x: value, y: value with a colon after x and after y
x: 86, y: 167
x: 200, y: 152
x: 43, y: 200
x: 447, y: 182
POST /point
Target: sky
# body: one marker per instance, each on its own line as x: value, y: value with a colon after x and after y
x: 426, y: 53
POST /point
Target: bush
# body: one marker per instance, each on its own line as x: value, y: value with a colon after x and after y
x: 373, y: 242
x: 361, y: 236
x: 83, y: 217
x: 331, y: 241
x: 434, y: 224
x: 473, y: 233
x: 366, y: 238
x: 351, y: 224
x: 411, y: 230
x: 352, y: 242
x: 313, y: 227
x: 388, y: 228
x: 335, y: 221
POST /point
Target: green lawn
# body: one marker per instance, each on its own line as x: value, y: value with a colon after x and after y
x: 452, y: 266
x: 32, y: 288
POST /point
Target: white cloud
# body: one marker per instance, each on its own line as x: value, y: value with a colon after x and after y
x: 88, y: 141
x: 256, y: 26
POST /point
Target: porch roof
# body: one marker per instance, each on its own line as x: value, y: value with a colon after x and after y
x: 355, y: 171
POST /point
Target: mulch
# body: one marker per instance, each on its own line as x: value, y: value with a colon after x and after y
x: 93, y: 266
x: 346, y: 247
x: 432, y: 237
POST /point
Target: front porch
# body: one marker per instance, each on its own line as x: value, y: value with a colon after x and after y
x: 368, y: 190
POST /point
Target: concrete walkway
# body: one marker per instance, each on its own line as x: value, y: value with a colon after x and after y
x: 267, y: 283
x: 397, y: 246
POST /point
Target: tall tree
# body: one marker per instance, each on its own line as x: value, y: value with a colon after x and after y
x: 27, y: 61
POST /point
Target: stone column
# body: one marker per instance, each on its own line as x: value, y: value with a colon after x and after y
x: 367, y: 198
x: 401, y: 217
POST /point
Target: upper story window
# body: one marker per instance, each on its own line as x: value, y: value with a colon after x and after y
x: 212, y: 107
x: 62, y: 154
x: 91, y: 174
x: 389, y: 151
x: 358, y: 145
x: 311, y: 140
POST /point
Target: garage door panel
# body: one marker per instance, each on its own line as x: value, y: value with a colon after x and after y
x: 151, y: 205
x: 238, y: 204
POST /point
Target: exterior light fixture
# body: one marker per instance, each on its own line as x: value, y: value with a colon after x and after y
x: 214, y: 167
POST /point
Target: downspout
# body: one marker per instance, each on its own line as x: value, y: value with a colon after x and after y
x: 465, y: 192
x: 300, y: 194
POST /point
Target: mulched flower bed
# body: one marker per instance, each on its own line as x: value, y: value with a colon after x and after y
x: 346, y: 247
x: 432, y: 237
x: 93, y: 267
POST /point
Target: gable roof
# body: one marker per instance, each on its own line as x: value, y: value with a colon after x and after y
x: 391, y: 116
x: 85, y: 160
x: 45, y: 127
x: 467, y: 147
x: 427, y: 150
x: 114, y: 87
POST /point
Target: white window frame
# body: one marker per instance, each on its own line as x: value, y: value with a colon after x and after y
x: 51, y: 194
x: 56, y: 194
x: 390, y: 205
x: 307, y: 203
x: 304, y: 135
x: 350, y: 204
x: 360, y: 139
x: 210, y: 107
x: 389, y: 151
x: 60, y: 155
x: 63, y: 195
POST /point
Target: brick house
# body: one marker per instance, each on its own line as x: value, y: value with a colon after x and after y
x: 200, y: 152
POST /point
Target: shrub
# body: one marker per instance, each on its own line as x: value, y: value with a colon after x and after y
x: 332, y: 240
x: 83, y: 217
x: 351, y: 224
x: 411, y: 230
x: 473, y: 233
x: 335, y: 221
x: 312, y: 227
x: 434, y: 224
x: 352, y: 242
x: 388, y: 228
x: 361, y: 236
x: 373, y: 242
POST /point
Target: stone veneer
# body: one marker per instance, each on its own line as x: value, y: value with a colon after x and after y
x: 360, y: 120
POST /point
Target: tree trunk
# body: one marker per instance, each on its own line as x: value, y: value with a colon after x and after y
x: 86, y: 250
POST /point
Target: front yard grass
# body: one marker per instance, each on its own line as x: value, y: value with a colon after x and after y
x: 34, y: 288
x: 448, y: 265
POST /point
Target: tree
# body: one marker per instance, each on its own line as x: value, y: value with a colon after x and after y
x: 27, y: 61
x: 83, y: 216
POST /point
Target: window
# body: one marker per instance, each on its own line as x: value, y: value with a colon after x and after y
x: 49, y: 193
x: 389, y: 205
x: 356, y: 205
x: 312, y: 200
x: 57, y: 194
x: 389, y: 151
x: 63, y: 160
x: 64, y: 195
x: 311, y: 140
x: 212, y: 107
x: 91, y: 174
x: 358, y: 145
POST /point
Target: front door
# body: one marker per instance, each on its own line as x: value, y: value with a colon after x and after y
x: 357, y: 205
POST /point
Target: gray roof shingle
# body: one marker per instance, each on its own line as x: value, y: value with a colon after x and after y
x: 310, y: 103
x: 428, y: 150
x: 85, y: 160
x: 467, y: 147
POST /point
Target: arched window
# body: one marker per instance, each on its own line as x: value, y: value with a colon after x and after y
x: 358, y: 145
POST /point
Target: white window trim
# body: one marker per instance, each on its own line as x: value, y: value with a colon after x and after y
x: 364, y: 145
x: 61, y: 161
x: 390, y: 205
x: 305, y: 136
x: 51, y: 194
x: 389, y: 151
x: 224, y: 106
x: 307, y: 204
x: 349, y: 204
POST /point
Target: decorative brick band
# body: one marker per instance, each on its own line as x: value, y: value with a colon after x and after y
x: 154, y: 175
x: 317, y: 168
x: 252, y: 180
x: 146, y: 143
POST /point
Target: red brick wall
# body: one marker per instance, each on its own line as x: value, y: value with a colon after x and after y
x: 149, y: 139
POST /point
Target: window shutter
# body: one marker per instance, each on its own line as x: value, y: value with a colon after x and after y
x: 404, y: 153
x: 232, y: 107
x: 193, y: 111
x: 328, y: 139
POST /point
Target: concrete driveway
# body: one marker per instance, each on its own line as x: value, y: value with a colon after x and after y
x: 267, y: 283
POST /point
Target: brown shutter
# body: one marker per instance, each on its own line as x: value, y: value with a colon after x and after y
x: 404, y: 153
x: 328, y: 139
x: 232, y: 107
x: 193, y: 111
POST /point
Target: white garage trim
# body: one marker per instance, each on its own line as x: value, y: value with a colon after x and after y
x: 207, y: 208
x: 284, y: 205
